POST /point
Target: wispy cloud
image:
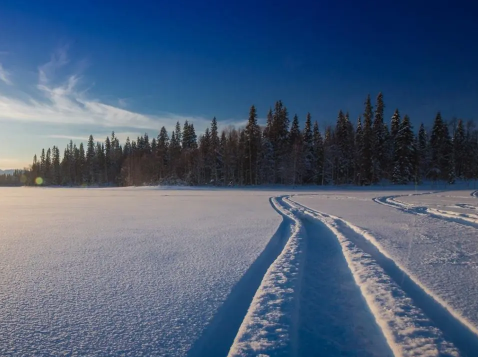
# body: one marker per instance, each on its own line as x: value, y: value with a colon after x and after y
x: 65, y: 101
x: 58, y: 59
x: 4, y: 75
x: 68, y: 137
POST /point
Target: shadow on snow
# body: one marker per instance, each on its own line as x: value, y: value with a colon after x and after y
x: 219, y: 335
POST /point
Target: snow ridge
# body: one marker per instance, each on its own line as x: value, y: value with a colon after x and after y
x: 270, y: 324
x: 403, y: 307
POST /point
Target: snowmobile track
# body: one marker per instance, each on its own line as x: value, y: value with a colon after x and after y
x: 451, y: 326
x: 469, y: 220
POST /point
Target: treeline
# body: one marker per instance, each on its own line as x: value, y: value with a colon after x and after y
x: 281, y: 152
x: 15, y: 179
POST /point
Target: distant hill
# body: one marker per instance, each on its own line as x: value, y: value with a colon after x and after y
x: 7, y: 172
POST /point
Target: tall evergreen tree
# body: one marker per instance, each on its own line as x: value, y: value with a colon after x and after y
x: 367, y: 148
x: 214, y: 152
x: 404, y: 154
x: 308, y: 153
x: 378, y: 141
x: 90, y: 161
x: 459, y: 150
x: 295, y: 140
x: 319, y: 157
x: 252, y: 147
x: 442, y: 165
x: 56, y: 178
x: 358, y: 152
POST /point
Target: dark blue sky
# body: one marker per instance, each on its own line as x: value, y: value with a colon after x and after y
x: 198, y: 59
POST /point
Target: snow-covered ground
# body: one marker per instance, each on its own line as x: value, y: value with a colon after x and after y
x: 132, y: 272
x: 207, y: 272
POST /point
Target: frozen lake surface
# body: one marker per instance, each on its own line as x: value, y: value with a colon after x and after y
x: 198, y: 272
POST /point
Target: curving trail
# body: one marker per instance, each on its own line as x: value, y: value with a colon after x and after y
x: 466, y: 219
x: 334, y: 291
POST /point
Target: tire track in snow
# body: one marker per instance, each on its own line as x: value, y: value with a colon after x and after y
x: 270, y: 325
x: 414, y: 321
x: 334, y: 318
x: 474, y: 194
x: 308, y: 303
x: 470, y: 220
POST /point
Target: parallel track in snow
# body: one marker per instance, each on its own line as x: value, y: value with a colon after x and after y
x: 334, y: 291
x: 466, y: 219
x: 426, y: 318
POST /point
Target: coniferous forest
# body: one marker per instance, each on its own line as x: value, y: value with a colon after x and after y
x: 372, y: 150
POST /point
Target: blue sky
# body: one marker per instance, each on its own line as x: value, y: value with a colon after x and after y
x: 68, y: 69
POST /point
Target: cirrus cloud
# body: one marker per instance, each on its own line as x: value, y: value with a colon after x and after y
x: 63, y: 102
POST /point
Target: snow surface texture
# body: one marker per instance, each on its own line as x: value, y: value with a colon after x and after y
x: 155, y: 272
x: 130, y: 272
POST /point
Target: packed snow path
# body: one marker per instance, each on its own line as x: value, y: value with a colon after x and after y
x: 351, y: 299
x: 467, y: 219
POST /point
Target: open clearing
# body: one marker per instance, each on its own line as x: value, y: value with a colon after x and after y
x: 198, y: 272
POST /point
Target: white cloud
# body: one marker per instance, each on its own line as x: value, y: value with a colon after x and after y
x: 58, y: 59
x: 65, y: 103
x: 68, y: 137
x: 4, y: 75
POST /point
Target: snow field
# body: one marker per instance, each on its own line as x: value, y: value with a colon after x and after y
x: 132, y: 272
x: 153, y: 272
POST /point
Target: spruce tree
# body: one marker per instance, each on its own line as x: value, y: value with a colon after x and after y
x: 422, y: 153
x: 295, y: 140
x: 318, y: 155
x: 214, y: 152
x: 358, y: 152
x: 48, y: 168
x: 308, y: 151
x: 56, y: 173
x: 90, y: 161
x: 162, y: 153
x: 459, y: 150
x: 378, y: 141
x: 367, y: 172
x: 252, y: 147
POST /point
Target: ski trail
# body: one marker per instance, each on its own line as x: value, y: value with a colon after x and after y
x: 414, y: 321
x: 466, y: 219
